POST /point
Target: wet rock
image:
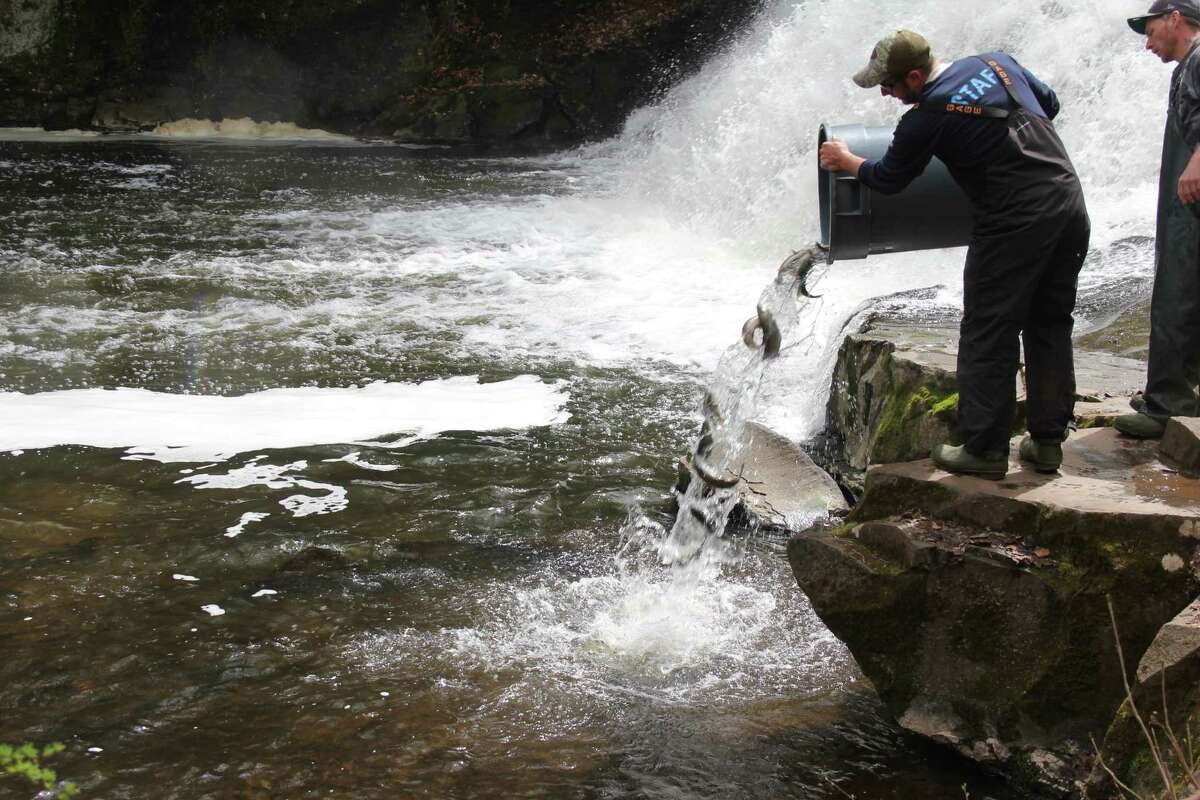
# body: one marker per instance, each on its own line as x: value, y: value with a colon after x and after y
x: 1166, y: 692
x: 1127, y: 335
x: 894, y: 395
x: 1181, y: 443
x: 781, y: 487
x: 1099, y: 412
x: 978, y: 609
x: 777, y: 485
x: 314, y: 561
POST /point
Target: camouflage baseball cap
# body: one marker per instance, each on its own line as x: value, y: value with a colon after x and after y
x: 1187, y: 8
x: 894, y: 56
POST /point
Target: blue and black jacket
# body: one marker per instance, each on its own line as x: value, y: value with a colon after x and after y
x: 966, y: 143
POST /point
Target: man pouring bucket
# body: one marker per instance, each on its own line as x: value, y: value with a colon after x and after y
x: 989, y: 120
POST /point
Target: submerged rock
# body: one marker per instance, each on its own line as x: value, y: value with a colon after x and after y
x: 313, y: 560
x: 978, y: 609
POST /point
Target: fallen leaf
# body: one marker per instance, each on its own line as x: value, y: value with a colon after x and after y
x: 1041, y: 552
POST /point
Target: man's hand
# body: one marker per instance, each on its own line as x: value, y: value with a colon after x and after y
x: 835, y: 156
x: 1189, y: 181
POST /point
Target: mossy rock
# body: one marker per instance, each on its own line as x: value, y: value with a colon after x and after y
x: 912, y: 422
x: 982, y: 618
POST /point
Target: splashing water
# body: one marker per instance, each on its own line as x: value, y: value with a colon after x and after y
x: 717, y: 465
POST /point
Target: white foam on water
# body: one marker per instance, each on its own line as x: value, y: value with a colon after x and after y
x: 304, y: 505
x: 242, y: 128
x: 356, y: 459
x: 20, y: 134
x: 187, y: 428
x: 234, y: 531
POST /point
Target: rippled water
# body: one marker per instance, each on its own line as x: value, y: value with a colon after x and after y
x: 468, y: 613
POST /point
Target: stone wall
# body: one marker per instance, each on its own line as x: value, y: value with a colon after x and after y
x: 507, y: 72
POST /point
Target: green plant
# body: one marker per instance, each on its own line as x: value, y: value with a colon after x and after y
x: 27, y: 760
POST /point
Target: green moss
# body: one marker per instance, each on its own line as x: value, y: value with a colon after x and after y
x: 950, y: 403
x: 898, y: 436
x: 844, y: 531
x: 877, y: 563
x: 1068, y: 577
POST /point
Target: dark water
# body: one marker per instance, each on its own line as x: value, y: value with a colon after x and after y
x: 486, y: 617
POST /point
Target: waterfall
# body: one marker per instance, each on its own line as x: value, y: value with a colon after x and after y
x: 732, y: 150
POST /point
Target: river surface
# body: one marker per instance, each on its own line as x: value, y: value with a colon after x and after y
x: 337, y: 469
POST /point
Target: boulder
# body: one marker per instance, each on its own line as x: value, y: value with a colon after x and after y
x: 978, y: 609
x: 894, y: 395
x: 1181, y: 443
x: 1165, y: 693
x: 781, y: 487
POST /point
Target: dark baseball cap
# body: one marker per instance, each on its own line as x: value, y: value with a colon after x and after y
x: 894, y: 55
x: 1186, y: 8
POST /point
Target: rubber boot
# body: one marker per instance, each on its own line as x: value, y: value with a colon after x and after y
x: 959, y: 461
x: 1140, y: 426
x: 1044, y: 456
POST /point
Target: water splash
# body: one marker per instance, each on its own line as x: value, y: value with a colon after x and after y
x: 783, y: 323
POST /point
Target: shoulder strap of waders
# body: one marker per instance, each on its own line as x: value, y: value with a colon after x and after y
x: 977, y: 110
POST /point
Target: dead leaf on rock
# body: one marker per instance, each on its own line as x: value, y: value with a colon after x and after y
x: 1041, y: 552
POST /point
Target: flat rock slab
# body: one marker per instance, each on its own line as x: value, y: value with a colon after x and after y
x: 1100, y: 413
x: 1102, y: 473
x: 1097, y: 375
x: 1181, y: 442
x: 781, y: 485
x: 1178, y: 640
x: 979, y: 609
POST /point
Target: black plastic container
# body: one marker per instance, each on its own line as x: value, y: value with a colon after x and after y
x: 857, y: 222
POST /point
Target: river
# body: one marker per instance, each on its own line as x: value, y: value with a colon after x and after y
x: 331, y: 468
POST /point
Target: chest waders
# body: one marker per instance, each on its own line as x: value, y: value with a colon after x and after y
x: 1031, y: 235
x: 1174, y: 362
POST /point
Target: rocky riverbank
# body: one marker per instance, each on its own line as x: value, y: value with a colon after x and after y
x: 980, y: 610
x: 512, y: 73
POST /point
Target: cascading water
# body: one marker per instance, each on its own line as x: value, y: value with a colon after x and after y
x: 448, y: 612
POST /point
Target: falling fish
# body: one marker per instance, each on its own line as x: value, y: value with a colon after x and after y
x: 712, y: 410
x: 772, y: 338
x: 710, y: 477
x: 799, y: 264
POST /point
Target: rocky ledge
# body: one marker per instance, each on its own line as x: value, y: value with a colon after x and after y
x: 894, y: 395
x: 978, y: 609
